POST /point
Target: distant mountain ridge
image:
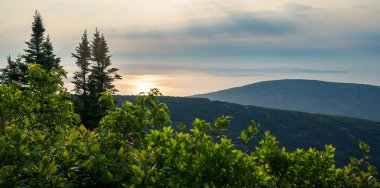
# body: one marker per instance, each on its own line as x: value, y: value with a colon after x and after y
x: 313, y: 96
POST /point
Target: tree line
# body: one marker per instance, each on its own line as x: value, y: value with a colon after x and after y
x: 93, y: 77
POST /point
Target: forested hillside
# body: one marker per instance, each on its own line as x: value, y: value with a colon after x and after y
x: 351, y: 100
x: 293, y: 129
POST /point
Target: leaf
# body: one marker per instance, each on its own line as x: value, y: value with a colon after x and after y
x: 121, y: 151
x: 267, y: 178
x: 354, y: 161
x: 250, y: 129
x: 138, y: 170
x: 65, y: 154
x: 82, y: 130
x: 244, y: 136
x: 53, y: 168
x: 363, y: 146
x: 254, y: 123
x: 40, y: 137
x: 86, y: 164
x: 153, y: 179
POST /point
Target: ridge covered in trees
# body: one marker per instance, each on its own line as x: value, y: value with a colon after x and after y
x: 293, y: 129
x: 44, y: 144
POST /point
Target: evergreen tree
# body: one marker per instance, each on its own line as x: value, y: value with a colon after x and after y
x: 40, y: 50
x: 83, y: 57
x: 49, y: 59
x: 14, y: 72
x: 100, y: 78
x: 34, y: 52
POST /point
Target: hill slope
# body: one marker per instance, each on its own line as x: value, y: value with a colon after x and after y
x: 351, y: 100
x: 293, y: 129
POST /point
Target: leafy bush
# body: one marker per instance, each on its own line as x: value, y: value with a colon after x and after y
x: 42, y: 144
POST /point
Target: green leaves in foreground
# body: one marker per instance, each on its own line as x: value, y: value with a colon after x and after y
x: 42, y: 144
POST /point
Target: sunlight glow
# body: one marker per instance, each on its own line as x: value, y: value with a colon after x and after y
x: 144, y: 83
x: 180, y: 85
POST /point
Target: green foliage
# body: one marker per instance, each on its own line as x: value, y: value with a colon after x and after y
x: 34, y: 121
x: 219, y: 126
x: 15, y: 106
x: 360, y: 171
x: 53, y: 106
x: 132, y: 119
x: 300, y: 168
x: 248, y: 136
x: 14, y: 72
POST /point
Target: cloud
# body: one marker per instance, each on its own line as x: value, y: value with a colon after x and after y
x: 232, y: 25
x: 233, y: 34
x: 297, y: 7
x: 271, y: 71
x: 307, y: 71
x: 252, y: 35
x: 240, y: 24
x: 221, y: 70
x: 367, y: 8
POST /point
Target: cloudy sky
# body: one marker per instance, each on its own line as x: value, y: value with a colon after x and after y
x: 187, y: 47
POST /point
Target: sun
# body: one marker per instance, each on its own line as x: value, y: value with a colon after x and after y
x: 142, y: 86
x: 144, y: 83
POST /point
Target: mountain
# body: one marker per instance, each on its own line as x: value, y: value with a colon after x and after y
x: 343, y: 99
x: 293, y: 129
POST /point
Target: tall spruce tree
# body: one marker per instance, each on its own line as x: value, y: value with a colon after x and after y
x: 40, y: 49
x: 49, y: 59
x: 93, y: 78
x: 34, y: 52
x: 13, y: 72
x: 83, y: 56
x: 100, y: 78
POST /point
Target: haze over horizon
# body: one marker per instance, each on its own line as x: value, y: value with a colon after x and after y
x: 198, y: 46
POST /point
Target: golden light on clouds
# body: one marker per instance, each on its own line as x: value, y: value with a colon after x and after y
x: 179, y: 85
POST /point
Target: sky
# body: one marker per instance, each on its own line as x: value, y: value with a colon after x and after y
x: 186, y: 47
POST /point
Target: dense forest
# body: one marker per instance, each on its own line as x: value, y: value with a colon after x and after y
x: 50, y: 138
x: 292, y: 129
